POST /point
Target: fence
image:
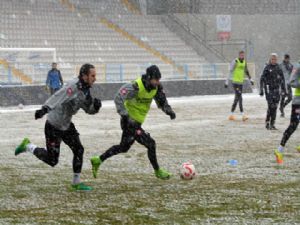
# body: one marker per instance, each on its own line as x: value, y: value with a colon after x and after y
x: 115, y: 73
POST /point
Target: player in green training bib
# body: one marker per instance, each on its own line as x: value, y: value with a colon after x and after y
x: 133, y: 102
x: 238, y: 70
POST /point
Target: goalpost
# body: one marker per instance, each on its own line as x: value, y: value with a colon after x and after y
x: 25, y: 65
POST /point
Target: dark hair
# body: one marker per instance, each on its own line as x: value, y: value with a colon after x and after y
x: 153, y: 72
x: 286, y: 56
x: 85, y: 69
x: 242, y: 51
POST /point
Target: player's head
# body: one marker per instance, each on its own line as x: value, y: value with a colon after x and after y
x: 241, y: 54
x: 286, y: 58
x: 87, y: 74
x: 153, y: 76
x: 54, y: 65
x: 273, y: 58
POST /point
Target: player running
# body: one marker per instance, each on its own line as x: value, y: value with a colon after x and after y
x: 60, y: 108
x: 273, y: 85
x: 238, y: 69
x: 133, y: 102
x: 295, y: 116
x: 287, y: 69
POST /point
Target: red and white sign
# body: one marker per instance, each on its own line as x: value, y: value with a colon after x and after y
x: 223, y: 36
x: 223, y: 27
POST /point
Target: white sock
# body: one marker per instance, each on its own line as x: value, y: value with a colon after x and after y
x: 30, y: 148
x: 280, y: 148
x: 76, y: 178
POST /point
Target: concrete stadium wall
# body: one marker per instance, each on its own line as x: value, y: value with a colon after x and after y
x: 221, y: 7
x: 190, y: 40
x: 37, y: 95
x: 267, y: 33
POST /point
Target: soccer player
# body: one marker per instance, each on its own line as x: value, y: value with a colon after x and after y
x: 60, y: 108
x: 273, y: 85
x: 287, y: 69
x: 238, y: 69
x: 133, y: 102
x: 295, y: 116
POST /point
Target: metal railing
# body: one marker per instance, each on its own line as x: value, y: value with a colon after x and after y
x: 198, y: 35
x: 115, y: 73
x: 198, y: 28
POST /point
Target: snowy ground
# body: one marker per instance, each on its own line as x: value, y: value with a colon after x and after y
x: 256, y: 191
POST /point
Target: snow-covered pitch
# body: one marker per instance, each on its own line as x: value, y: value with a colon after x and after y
x: 254, y: 191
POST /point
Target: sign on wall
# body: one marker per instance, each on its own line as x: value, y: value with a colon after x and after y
x: 223, y: 27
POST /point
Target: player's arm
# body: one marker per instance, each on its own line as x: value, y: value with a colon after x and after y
x: 291, y: 69
x: 48, y: 79
x: 60, y: 79
x: 162, y: 102
x: 294, y: 81
x: 282, y: 83
x: 262, y: 81
x: 60, y: 97
x: 248, y: 74
x: 127, y: 91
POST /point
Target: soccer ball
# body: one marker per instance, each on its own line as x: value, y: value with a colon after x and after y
x: 187, y: 171
x: 21, y: 106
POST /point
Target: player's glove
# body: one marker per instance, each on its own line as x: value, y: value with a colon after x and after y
x: 97, y: 104
x: 41, y: 112
x: 170, y: 113
x: 88, y: 100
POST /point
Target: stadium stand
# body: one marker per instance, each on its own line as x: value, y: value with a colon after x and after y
x: 75, y: 29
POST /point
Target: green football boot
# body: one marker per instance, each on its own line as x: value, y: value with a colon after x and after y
x: 162, y: 174
x: 22, y: 147
x: 81, y: 187
x: 96, y: 162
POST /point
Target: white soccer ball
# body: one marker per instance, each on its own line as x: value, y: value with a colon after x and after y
x: 187, y: 171
x: 21, y: 106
